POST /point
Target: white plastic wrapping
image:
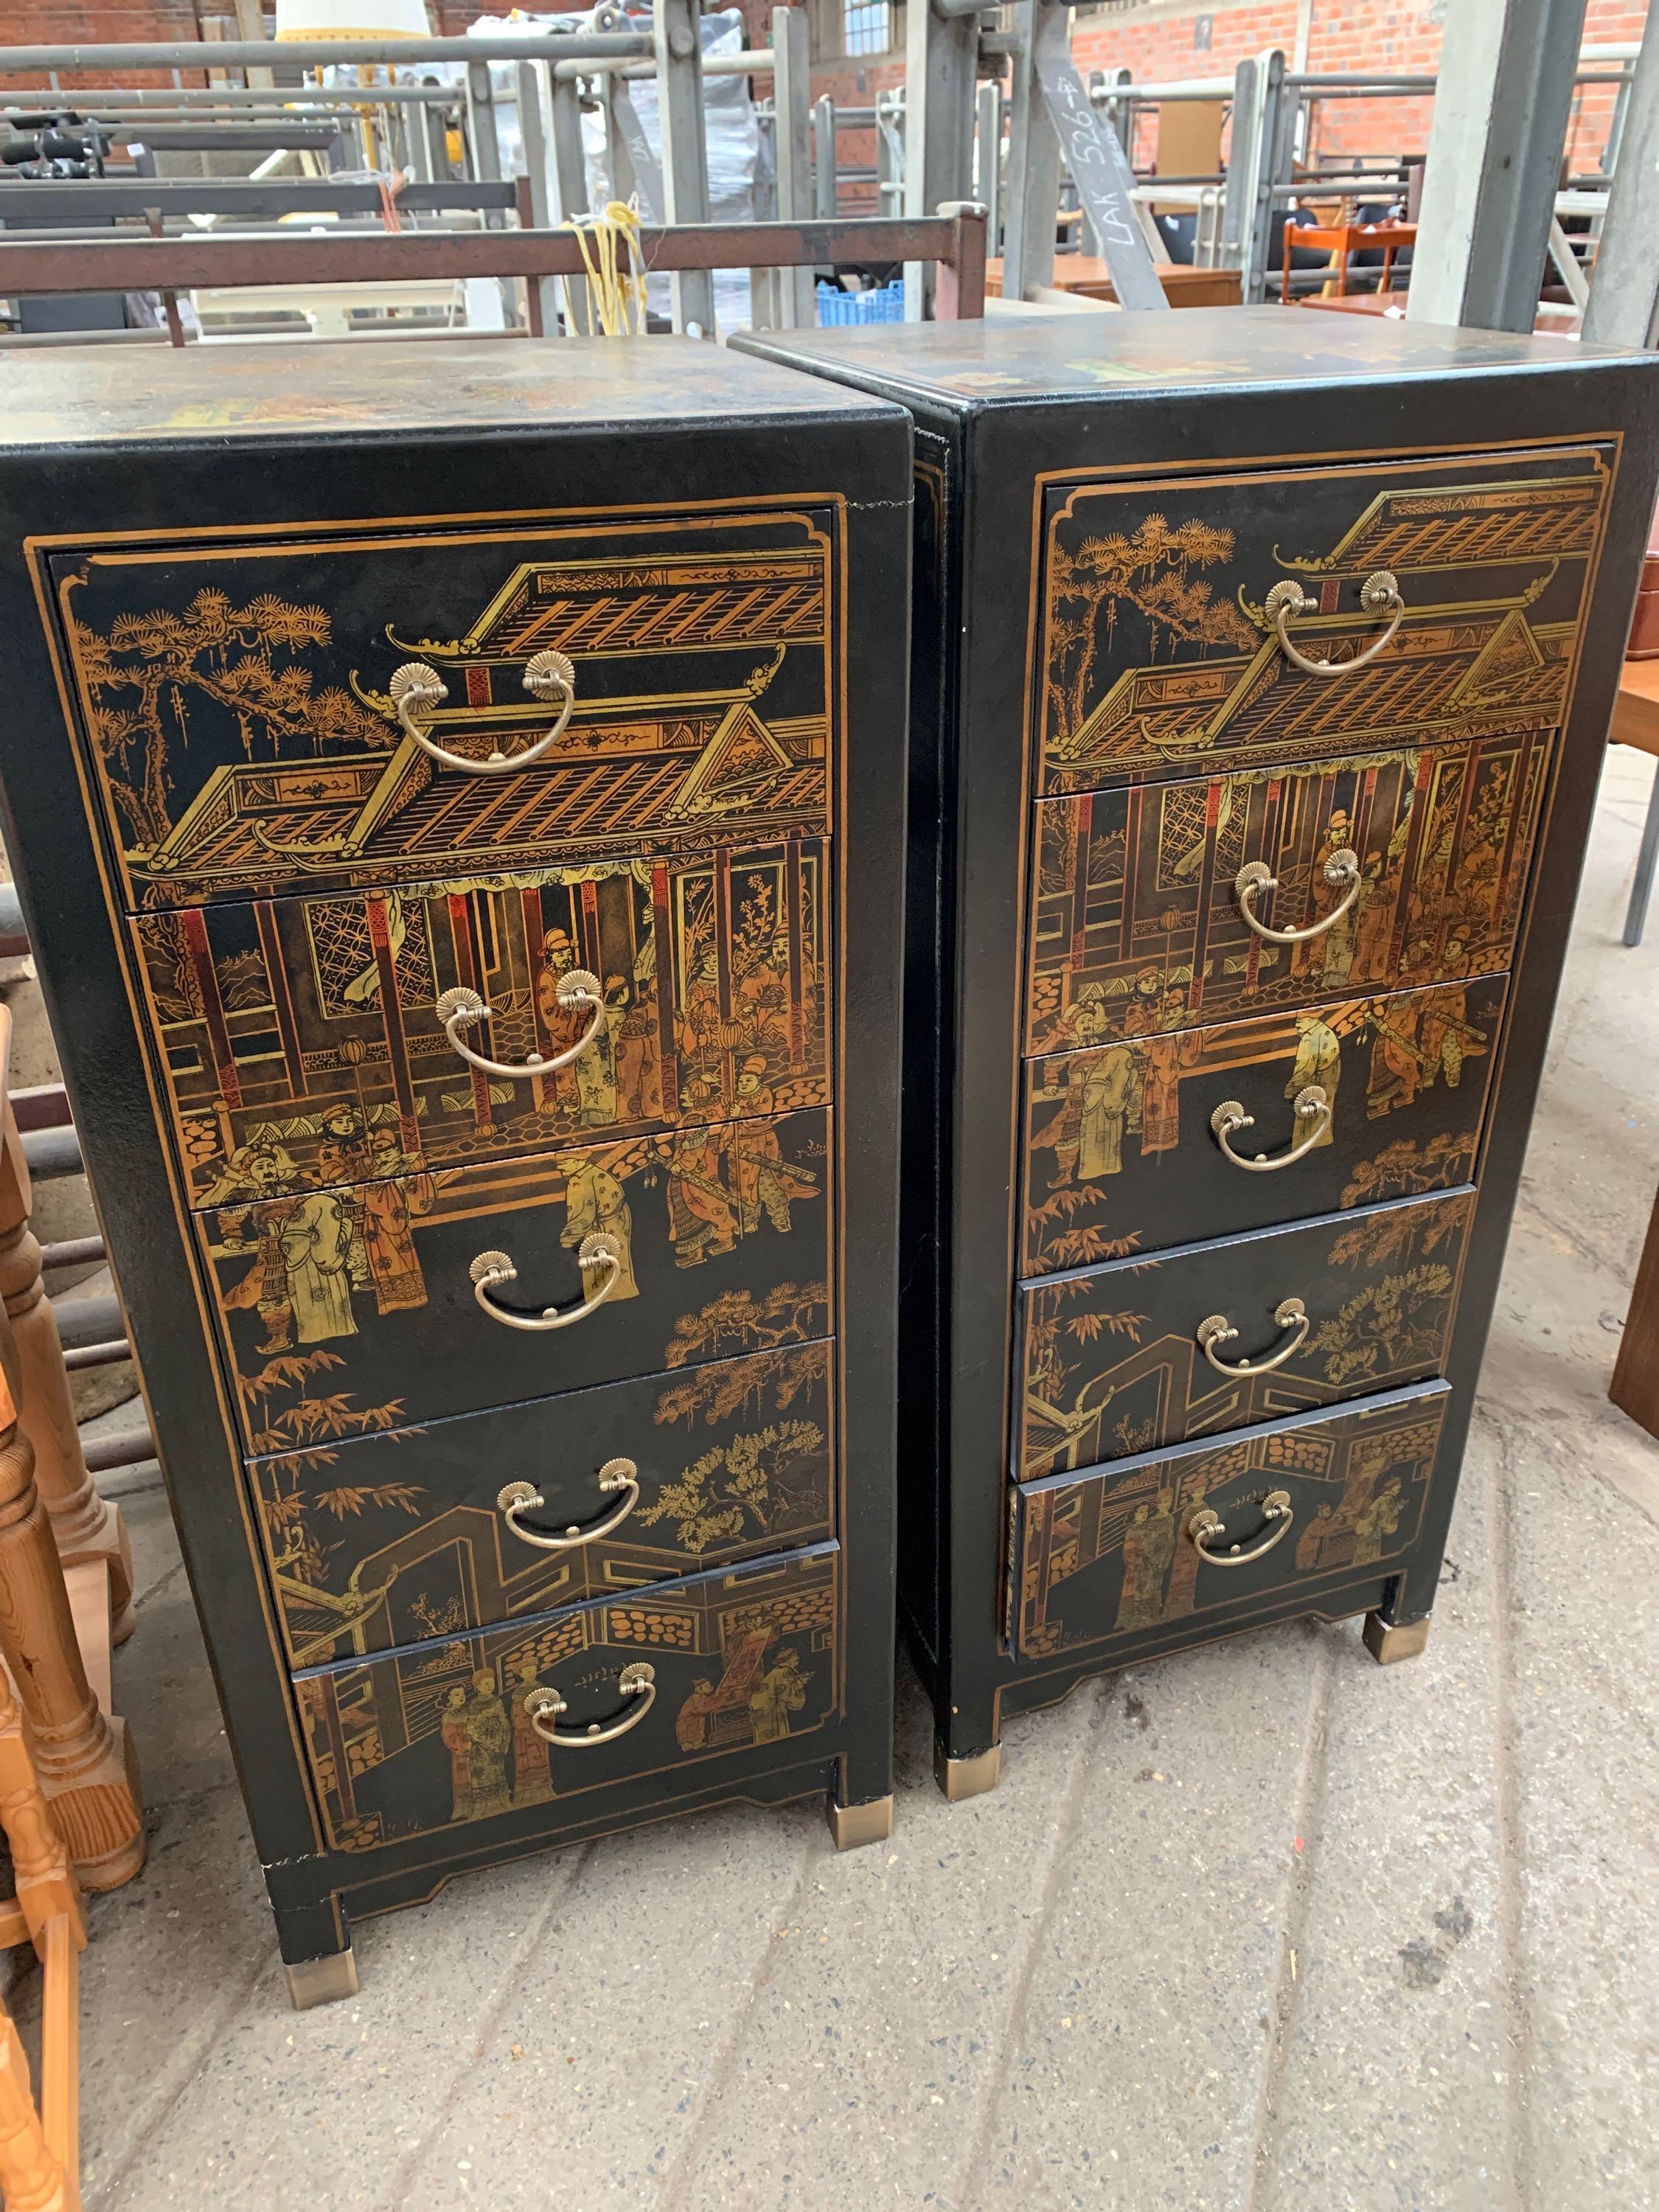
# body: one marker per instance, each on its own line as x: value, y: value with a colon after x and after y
x: 729, y: 114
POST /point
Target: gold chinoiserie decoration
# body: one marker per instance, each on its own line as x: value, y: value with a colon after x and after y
x: 459, y: 1008
x: 1378, y: 595
x: 415, y: 686
x: 637, y: 1683
x: 1206, y: 1524
x: 1256, y: 875
x: 1310, y: 1106
x: 524, y: 1498
x: 1289, y: 1314
x: 491, y: 1270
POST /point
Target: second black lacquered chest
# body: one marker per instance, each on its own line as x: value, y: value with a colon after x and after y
x: 459, y: 799
x: 1263, y: 669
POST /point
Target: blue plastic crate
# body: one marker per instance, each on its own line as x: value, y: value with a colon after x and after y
x: 885, y: 304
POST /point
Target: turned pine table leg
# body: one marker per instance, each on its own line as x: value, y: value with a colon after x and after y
x: 86, y: 1526
x: 84, y: 1761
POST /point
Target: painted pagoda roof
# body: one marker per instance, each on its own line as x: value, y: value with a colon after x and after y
x: 628, y: 774
x: 679, y: 604
x: 1468, y: 526
x: 1450, y: 670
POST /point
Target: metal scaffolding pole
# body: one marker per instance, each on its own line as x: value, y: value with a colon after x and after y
x: 1500, y: 121
x: 1236, y: 194
x: 570, y: 184
x: 684, y: 153
x: 1623, y: 298
x: 823, y: 159
x: 941, y: 64
x: 1028, y: 246
x: 321, y: 53
x: 1269, y: 157
x: 538, y: 177
x: 796, y: 296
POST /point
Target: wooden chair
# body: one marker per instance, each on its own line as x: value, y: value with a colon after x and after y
x: 84, y: 1759
x: 40, y: 2146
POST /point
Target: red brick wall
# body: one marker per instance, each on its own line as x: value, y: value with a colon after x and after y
x: 1396, y: 35
x: 106, y: 22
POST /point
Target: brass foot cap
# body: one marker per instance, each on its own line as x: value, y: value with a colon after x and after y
x: 853, y: 1825
x: 321, y: 1981
x: 967, y: 1778
x: 1387, y: 1644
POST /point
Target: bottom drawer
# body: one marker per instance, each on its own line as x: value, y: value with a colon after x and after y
x: 1124, y: 1555
x: 439, y: 1735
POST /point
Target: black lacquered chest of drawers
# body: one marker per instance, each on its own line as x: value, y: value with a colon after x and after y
x: 1262, y: 667
x: 458, y: 795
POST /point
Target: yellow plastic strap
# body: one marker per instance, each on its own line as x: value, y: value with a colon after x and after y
x: 615, y: 295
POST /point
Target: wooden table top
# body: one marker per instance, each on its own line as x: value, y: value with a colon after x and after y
x: 1087, y: 273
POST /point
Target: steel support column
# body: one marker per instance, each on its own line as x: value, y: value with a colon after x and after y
x: 941, y: 66
x: 1033, y: 194
x: 684, y: 153
x: 1624, y: 299
x: 791, y: 87
x: 532, y: 136
x: 1501, y: 108
x: 571, y: 182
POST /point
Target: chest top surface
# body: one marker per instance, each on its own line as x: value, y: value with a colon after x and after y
x: 968, y: 366
x: 202, y: 394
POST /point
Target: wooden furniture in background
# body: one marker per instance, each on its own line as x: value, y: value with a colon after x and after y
x: 1635, y: 1385
x: 83, y: 1758
x: 1342, y: 239
x: 89, y: 1530
x: 38, y: 2145
x: 1636, y: 723
x: 1086, y: 275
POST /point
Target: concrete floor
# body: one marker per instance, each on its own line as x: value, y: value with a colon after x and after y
x: 1264, y: 1928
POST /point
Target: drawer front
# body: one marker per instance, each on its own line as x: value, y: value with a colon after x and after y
x: 1129, y: 1357
x: 436, y: 1737
x: 1120, y: 1154
x: 386, y: 1538
x: 362, y: 1294
x: 1112, y: 1558
x: 303, y: 1044
x: 1160, y: 652
x: 242, y: 734
x: 1138, y: 925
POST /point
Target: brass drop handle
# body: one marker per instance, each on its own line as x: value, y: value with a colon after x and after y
x: 490, y: 1270
x: 459, y: 1008
x: 524, y: 1497
x: 1342, y: 867
x: 1310, y: 1105
x: 1378, y: 595
x: 637, y: 1683
x: 1206, y: 1523
x: 415, y: 687
x: 1289, y: 1313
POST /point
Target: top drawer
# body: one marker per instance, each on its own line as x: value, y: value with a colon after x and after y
x: 1159, y: 653
x: 239, y: 709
